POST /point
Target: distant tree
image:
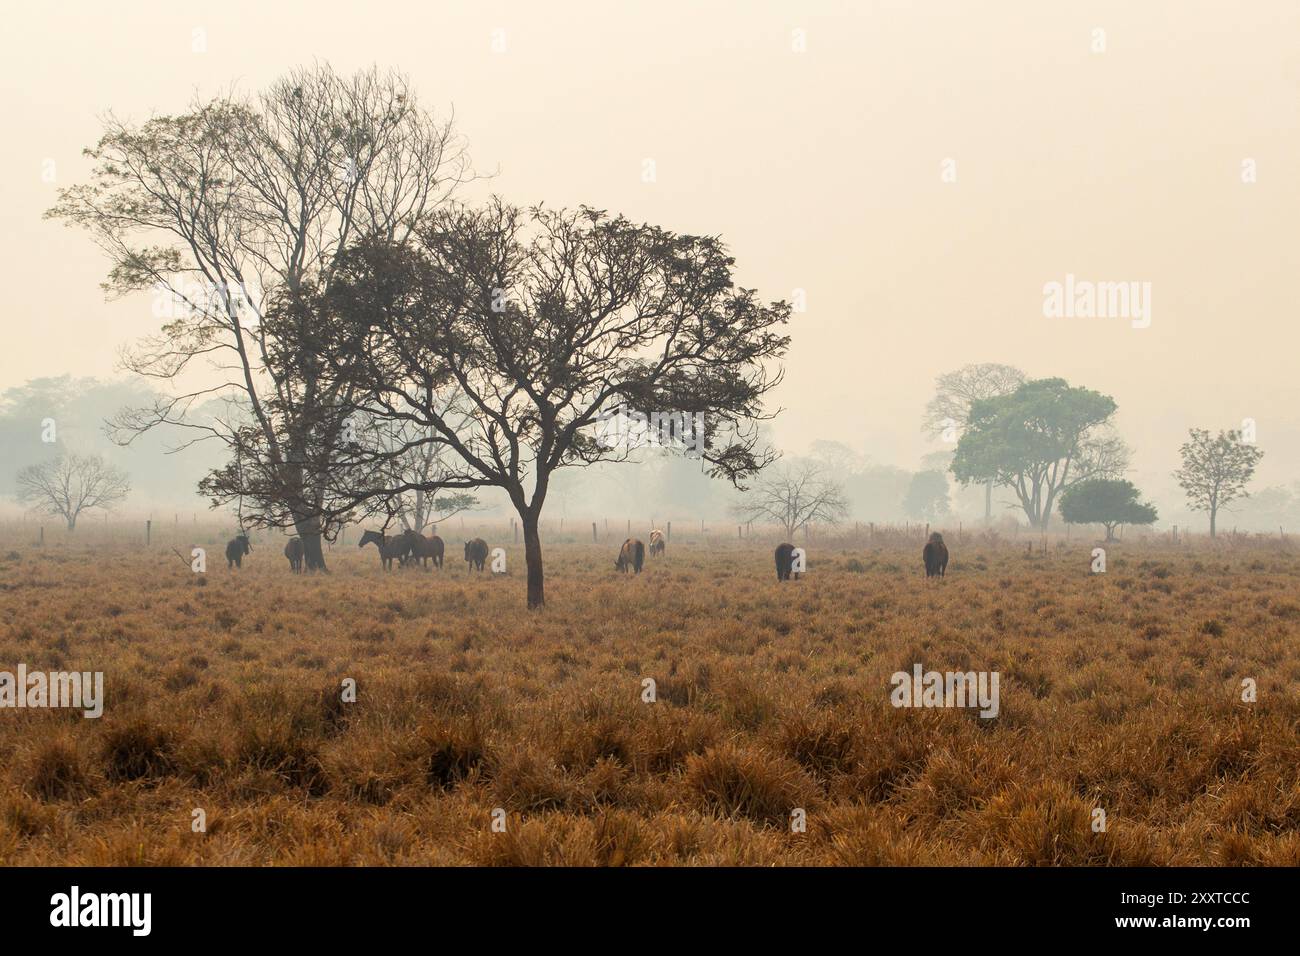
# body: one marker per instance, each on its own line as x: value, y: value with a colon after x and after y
x: 947, y: 414
x: 1105, y: 501
x: 794, y: 496
x: 1216, y: 470
x: 837, y: 456
x: 72, y: 484
x: 927, y: 496
x: 1038, y: 441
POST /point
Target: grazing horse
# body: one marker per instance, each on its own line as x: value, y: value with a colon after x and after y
x: 656, y: 542
x: 422, y: 548
x: 935, y: 556
x: 784, y: 561
x: 389, y: 548
x: 293, y: 551
x: 476, y: 553
x: 236, y: 549
x: 631, y: 555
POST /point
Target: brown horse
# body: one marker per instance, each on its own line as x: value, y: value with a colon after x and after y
x: 631, y: 555
x: 784, y: 561
x: 236, y: 549
x: 389, y: 548
x: 293, y: 551
x: 422, y: 548
x: 657, y: 542
x: 935, y: 556
x: 476, y: 553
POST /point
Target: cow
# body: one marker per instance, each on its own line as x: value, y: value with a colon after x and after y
x: 656, y: 542
x: 293, y: 551
x: 784, y: 561
x: 631, y: 555
x: 389, y: 548
x: 935, y: 556
x: 236, y: 549
x: 476, y: 553
x: 422, y: 548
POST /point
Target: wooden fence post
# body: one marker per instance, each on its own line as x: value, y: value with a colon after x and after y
x: 148, y: 531
x: 594, y: 539
x: 669, y: 533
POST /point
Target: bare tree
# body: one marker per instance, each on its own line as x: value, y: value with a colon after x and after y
x: 72, y: 484
x: 1216, y: 470
x: 794, y: 496
x: 232, y: 205
x: 947, y: 414
x: 414, y: 460
x: 560, y: 327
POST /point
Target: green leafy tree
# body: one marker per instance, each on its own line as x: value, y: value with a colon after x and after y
x: 1106, y: 501
x: 1038, y: 441
x: 1216, y: 470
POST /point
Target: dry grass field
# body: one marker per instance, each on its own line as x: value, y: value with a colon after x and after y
x: 1119, y: 691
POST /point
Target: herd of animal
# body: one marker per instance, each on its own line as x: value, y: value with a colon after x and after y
x: 411, y: 546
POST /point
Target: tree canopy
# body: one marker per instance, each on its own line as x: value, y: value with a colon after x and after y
x: 1039, y: 440
x: 1106, y: 501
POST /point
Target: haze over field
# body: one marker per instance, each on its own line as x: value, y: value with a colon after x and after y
x: 824, y: 171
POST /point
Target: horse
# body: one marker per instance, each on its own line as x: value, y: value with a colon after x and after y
x: 631, y: 555
x: 476, y: 553
x: 293, y: 551
x: 935, y: 556
x: 656, y: 542
x: 422, y: 548
x: 389, y: 548
x: 236, y: 549
x: 784, y: 561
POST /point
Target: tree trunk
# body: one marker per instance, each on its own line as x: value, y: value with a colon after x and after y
x: 313, y: 558
x: 988, y: 502
x: 72, y: 522
x: 533, y: 560
x: 1214, y: 513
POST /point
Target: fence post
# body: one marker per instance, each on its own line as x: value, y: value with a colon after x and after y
x: 42, y: 536
x: 594, y: 539
x: 515, y: 526
x: 148, y: 531
x: 739, y: 533
x: 669, y: 533
x: 629, y: 527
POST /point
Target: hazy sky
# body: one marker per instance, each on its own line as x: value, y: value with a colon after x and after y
x: 822, y: 169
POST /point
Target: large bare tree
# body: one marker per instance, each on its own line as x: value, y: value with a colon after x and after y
x: 947, y: 414
x: 794, y: 496
x: 233, y: 205
x: 559, y: 328
x: 72, y: 484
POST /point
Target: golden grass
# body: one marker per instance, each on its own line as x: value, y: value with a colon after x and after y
x: 1119, y: 691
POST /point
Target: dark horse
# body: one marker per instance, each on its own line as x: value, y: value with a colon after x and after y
x: 784, y: 561
x: 476, y: 553
x: 293, y: 551
x: 422, y: 548
x: 935, y: 556
x: 236, y: 549
x: 631, y: 555
x: 389, y: 548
